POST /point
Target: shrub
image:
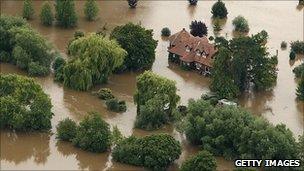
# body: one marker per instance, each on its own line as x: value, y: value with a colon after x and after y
x: 139, y: 44
x: 297, y: 47
x: 232, y: 132
x: 283, y: 45
x: 300, y: 90
x: 93, y: 134
x: 46, y: 14
x: 34, y: 69
x: 132, y: 3
x: 66, y: 129
x: 219, y: 10
x: 198, y: 28
x: 202, y: 161
x: 21, y: 57
x: 5, y: 56
x: 240, y: 24
x: 58, y: 62
x: 292, y: 55
x: 90, y: 10
x: 115, y: 105
x: 165, y: 31
x: 105, y: 94
x: 28, y: 10
x: 299, y: 71
x: 65, y: 13
x: 24, y: 105
x: 155, y: 152
x: 192, y: 2
x: 211, y: 38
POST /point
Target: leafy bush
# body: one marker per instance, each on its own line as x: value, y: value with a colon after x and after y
x: 154, y: 94
x: 46, y: 14
x: 65, y: 13
x: 24, y: 105
x: 240, y: 24
x: 202, y: 161
x: 105, y: 94
x: 132, y: 3
x: 28, y: 10
x: 297, y: 47
x: 299, y: 71
x: 139, y: 44
x: 300, y: 90
x: 219, y: 10
x: 90, y: 10
x: 165, y: 31
x: 198, y: 28
x: 66, y: 129
x: 93, y: 134
x: 24, y: 46
x: 283, y: 45
x: 115, y: 105
x: 234, y: 133
x: 292, y: 55
x: 192, y: 2
x: 94, y: 59
x: 155, y: 152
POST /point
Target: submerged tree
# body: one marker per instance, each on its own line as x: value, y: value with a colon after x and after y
x: 198, y: 28
x: 240, y: 24
x: 204, y: 160
x: 65, y: 13
x: 46, y: 14
x: 155, y: 98
x: 24, y: 105
x: 139, y: 44
x: 91, y: 10
x: 132, y: 3
x: 28, y: 10
x: 300, y: 90
x: 192, y: 2
x: 219, y: 10
x: 94, y: 59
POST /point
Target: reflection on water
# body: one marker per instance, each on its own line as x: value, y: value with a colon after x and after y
x: 41, y: 151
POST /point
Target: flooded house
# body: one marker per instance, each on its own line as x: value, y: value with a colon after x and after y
x: 192, y: 52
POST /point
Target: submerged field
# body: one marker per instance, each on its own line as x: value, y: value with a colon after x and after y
x: 283, y: 20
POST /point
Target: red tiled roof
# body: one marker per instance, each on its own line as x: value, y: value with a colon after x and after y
x: 179, y: 42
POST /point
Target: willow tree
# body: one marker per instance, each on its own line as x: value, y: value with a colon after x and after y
x: 93, y: 60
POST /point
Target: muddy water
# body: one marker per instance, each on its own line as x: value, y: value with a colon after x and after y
x: 283, y: 20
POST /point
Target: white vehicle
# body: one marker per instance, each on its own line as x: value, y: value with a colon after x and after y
x: 225, y: 102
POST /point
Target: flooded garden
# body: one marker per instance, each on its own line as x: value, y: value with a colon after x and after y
x: 283, y: 20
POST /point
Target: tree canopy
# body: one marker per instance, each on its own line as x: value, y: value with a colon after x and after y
x: 240, y: 24
x: 155, y: 152
x: 235, y: 133
x: 46, y: 14
x: 241, y: 62
x: 139, y: 44
x: 204, y: 160
x: 198, y: 28
x: 132, y: 3
x: 155, y: 98
x: 219, y: 10
x: 93, y: 60
x: 28, y: 10
x: 24, y: 105
x: 91, y: 9
x: 65, y: 13
x: 23, y: 46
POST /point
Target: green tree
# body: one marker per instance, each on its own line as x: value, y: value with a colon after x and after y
x: 116, y: 105
x: 219, y: 10
x: 46, y: 14
x: 165, y: 32
x: 58, y: 66
x: 132, y: 3
x: 65, y: 13
x: 66, y: 129
x: 301, y: 151
x: 93, y: 134
x: 198, y: 28
x: 105, y: 94
x: 155, y: 152
x: 24, y: 105
x: 240, y: 24
x: 299, y: 71
x: 297, y: 47
x: 28, y: 10
x: 300, y: 89
x: 192, y: 2
x: 94, y: 59
x: 202, y: 161
x: 90, y: 10
x: 159, y: 94
x: 222, y: 77
x: 139, y: 44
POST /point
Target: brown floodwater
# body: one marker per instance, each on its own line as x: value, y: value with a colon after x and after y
x: 283, y: 20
